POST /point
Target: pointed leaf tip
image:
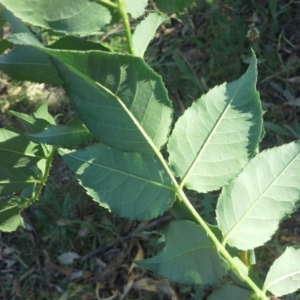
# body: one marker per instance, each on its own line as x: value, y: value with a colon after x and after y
x: 217, y: 135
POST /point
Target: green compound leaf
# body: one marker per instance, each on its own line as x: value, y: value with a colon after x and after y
x: 284, y: 275
x: 172, y: 6
x: 135, y: 8
x: 72, y: 17
x: 63, y: 136
x: 252, y: 205
x: 10, y: 210
x: 13, y: 180
x: 130, y: 184
x: 189, y: 256
x: 215, y: 138
x: 16, y: 150
x: 230, y: 292
x: 124, y: 103
x: 145, y: 32
x: 27, y: 63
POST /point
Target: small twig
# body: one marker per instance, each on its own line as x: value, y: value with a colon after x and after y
x: 126, y: 24
x: 126, y: 237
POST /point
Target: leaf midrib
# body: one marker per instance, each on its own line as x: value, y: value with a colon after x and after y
x: 125, y: 173
x: 26, y: 154
x: 247, y: 212
x: 206, y: 141
x: 281, y: 278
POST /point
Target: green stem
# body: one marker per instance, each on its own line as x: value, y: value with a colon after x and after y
x: 190, y: 211
x: 183, y: 209
x: 44, y: 178
x: 109, y: 3
x: 126, y: 24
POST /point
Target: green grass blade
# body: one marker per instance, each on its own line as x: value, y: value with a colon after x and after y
x: 217, y: 135
x: 131, y: 184
x: 252, y: 205
x: 77, y: 17
x: 145, y: 32
x: 189, y: 256
x: 284, y: 275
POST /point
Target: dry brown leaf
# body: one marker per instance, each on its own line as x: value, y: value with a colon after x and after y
x: 159, y: 287
x: 98, y: 287
x: 139, y: 256
x: 17, y: 287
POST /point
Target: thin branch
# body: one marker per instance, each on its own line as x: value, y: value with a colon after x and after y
x: 126, y: 24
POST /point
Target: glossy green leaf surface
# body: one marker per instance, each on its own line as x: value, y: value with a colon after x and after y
x: 172, y: 6
x: 69, y: 16
x: 284, y: 275
x: 10, y: 209
x: 16, y: 150
x: 230, y: 292
x: 63, y: 136
x: 135, y: 8
x: 15, y: 179
x: 27, y: 63
x: 217, y: 135
x: 118, y: 97
x: 189, y: 256
x: 145, y: 32
x: 130, y: 184
x: 268, y: 190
